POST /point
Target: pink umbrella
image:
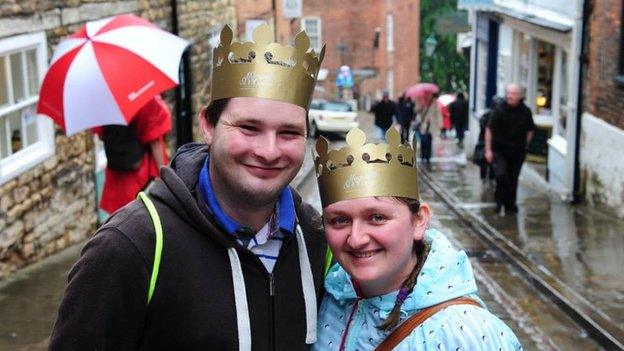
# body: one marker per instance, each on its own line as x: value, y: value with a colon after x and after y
x: 421, y: 90
x: 104, y: 73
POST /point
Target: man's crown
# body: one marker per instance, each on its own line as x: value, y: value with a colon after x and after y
x: 265, y: 69
x: 364, y: 170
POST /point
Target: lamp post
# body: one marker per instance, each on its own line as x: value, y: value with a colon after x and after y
x: 430, y: 46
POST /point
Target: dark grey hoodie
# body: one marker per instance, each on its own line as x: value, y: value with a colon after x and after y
x: 194, y: 306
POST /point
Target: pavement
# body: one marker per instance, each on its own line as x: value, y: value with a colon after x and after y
x: 574, y: 253
x: 580, y: 249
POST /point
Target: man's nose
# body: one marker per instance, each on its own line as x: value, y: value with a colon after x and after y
x: 267, y: 148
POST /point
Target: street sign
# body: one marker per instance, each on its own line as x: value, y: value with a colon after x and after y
x: 453, y: 22
x: 292, y: 8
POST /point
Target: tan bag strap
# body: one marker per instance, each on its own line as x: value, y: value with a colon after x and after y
x: 403, y: 330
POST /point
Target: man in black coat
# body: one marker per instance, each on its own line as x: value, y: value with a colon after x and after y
x: 241, y: 264
x: 507, y: 135
x: 385, y: 111
x: 459, y: 116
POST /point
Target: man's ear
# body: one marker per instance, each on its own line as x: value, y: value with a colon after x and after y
x: 420, y: 221
x: 206, y: 127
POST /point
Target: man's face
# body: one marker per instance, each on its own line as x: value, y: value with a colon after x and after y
x: 514, y: 95
x: 256, y: 149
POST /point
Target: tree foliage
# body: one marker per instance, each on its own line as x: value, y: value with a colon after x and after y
x: 447, y: 68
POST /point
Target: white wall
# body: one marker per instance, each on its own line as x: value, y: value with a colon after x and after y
x: 602, y: 162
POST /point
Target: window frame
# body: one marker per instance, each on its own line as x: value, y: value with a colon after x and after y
x: 619, y: 77
x: 389, y: 32
x: 319, y: 33
x: 31, y: 155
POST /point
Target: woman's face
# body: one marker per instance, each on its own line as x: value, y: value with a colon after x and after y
x: 372, y: 238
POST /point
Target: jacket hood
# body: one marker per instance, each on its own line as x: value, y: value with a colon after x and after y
x: 446, y: 274
x: 176, y: 188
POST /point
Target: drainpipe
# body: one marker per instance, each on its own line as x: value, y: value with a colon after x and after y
x: 577, y: 196
x: 183, y: 92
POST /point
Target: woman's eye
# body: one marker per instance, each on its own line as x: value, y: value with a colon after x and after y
x: 339, y: 221
x: 377, y: 217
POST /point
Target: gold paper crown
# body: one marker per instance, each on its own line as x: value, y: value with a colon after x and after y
x: 265, y: 69
x: 363, y: 170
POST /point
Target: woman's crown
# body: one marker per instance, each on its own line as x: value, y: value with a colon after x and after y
x: 364, y: 170
x: 265, y: 69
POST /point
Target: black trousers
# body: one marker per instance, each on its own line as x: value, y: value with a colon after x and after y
x: 507, y: 168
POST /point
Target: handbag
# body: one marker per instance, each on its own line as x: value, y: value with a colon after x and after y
x: 405, y: 329
x: 479, y: 154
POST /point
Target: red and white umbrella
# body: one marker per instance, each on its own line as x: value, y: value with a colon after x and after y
x: 104, y: 73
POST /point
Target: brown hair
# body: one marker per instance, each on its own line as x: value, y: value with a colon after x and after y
x: 421, y: 249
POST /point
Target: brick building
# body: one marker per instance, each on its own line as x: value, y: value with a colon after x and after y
x: 349, y: 30
x: 47, y: 180
x: 602, y: 134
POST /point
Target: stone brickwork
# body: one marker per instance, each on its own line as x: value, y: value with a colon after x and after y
x: 605, y: 99
x: 53, y: 205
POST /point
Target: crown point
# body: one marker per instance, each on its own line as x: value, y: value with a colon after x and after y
x: 226, y: 35
x: 356, y: 137
x: 262, y: 34
x: 321, y: 146
x: 322, y: 54
x: 393, y: 137
x: 302, y: 42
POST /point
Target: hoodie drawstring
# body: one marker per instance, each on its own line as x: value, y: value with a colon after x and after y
x: 240, y: 300
x: 307, y: 285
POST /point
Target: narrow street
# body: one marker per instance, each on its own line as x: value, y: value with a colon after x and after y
x: 28, y: 302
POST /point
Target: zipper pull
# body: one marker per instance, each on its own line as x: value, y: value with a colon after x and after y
x: 271, y: 285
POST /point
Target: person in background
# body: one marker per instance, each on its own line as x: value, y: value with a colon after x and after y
x: 385, y: 113
x: 459, y: 116
x: 507, y: 135
x: 148, y: 127
x: 406, y: 116
x: 391, y: 268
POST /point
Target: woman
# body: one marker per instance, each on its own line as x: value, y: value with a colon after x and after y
x: 390, y: 266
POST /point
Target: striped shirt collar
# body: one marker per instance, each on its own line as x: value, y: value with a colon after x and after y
x: 285, y: 205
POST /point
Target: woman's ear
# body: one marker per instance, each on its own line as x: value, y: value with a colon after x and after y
x: 420, y: 221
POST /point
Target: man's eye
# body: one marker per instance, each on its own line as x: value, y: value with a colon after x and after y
x: 249, y: 128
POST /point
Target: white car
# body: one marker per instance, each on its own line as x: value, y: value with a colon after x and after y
x: 331, y: 116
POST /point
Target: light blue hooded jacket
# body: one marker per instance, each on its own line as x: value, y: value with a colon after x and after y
x: 446, y: 274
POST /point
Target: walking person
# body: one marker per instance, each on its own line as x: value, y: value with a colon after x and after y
x: 134, y: 153
x: 397, y: 285
x: 241, y: 255
x: 385, y: 113
x: 507, y: 135
x: 459, y: 116
x: 406, y: 116
x: 429, y: 120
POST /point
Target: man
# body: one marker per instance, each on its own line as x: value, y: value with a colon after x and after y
x: 385, y: 112
x: 507, y: 135
x: 459, y: 116
x: 242, y: 255
x: 406, y: 116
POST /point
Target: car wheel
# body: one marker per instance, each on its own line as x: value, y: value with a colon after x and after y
x: 314, y: 130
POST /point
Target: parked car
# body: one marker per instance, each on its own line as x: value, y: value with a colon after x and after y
x: 331, y: 116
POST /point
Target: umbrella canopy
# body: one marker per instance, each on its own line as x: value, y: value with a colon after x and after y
x: 446, y: 99
x: 421, y: 90
x: 104, y: 73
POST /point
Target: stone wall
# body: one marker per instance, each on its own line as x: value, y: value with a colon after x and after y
x: 52, y: 205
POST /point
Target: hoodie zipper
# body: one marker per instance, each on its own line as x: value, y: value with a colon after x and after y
x: 272, y: 310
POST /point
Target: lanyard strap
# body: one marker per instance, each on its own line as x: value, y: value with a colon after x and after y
x: 151, y: 209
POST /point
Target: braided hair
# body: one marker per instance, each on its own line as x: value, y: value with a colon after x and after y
x: 421, y: 249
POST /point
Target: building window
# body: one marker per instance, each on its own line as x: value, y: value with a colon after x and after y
x: 312, y: 27
x: 390, y: 32
x: 25, y: 138
x: 390, y: 83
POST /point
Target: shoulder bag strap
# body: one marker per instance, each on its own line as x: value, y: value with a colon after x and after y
x: 403, y: 330
x: 159, y: 242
